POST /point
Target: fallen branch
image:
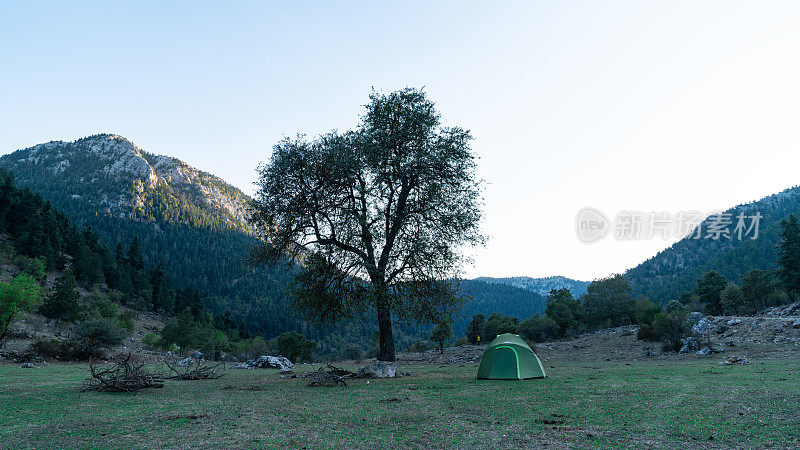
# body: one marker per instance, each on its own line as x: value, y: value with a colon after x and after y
x: 121, y: 376
x: 198, y: 371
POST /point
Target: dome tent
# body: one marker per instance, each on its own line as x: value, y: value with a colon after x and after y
x: 509, y: 358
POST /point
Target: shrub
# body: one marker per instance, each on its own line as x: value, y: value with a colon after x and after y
x: 92, y: 337
x: 151, y: 340
x: 460, y: 342
x: 125, y: 320
x: 418, y: 347
x: 671, y: 329
x: 34, y: 267
x: 99, y: 306
x: 252, y: 348
x: 20, y: 294
x: 295, y: 346
x: 539, y: 328
x: 647, y: 332
x: 52, y: 348
x: 353, y: 352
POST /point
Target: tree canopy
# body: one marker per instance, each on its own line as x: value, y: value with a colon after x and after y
x: 378, y: 216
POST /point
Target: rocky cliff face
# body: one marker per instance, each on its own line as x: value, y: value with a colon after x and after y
x: 109, y: 174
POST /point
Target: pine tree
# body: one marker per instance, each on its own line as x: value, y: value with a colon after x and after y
x: 709, y: 289
x: 134, y: 255
x: 64, y: 302
x: 163, y: 296
x: 475, y: 329
x: 789, y: 256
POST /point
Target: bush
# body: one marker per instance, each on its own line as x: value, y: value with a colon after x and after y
x: 418, y: 347
x: 671, y: 329
x: 151, y: 340
x: 539, y: 329
x: 647, y: 332
x: 34, y: 267
x: 125, y: 320
x: 498, y: 324
x: 460, y: 342
x: 353, y: 352
x: 99, y: 306
x: 92, y: 337
x: 252, y: 348
x: 52, y: 348
x: 295, y: 346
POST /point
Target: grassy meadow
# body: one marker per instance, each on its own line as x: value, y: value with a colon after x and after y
x: 581, y: 403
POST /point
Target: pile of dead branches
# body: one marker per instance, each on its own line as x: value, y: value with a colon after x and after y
x: 197, y: 371
x: 334, y: 376
x: 123, y: 375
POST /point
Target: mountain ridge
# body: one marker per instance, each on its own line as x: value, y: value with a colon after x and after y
x: 542, y: 285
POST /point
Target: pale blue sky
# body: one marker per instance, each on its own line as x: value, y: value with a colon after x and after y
x: 658, y: 106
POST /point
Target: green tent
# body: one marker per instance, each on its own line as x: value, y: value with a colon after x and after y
x: 509, y: 358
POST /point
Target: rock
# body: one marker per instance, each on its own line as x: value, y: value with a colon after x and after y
x: 717, y: 350
x: 735, y: 360
x: 196, y: 355
x: 704, y: 351
x: 796, y: 324
x: 690, y: 344
x: 702, y: 326
x: 694, y: 317
x: 378, y: 369
x: 223, y: 356
x: 730, y: 344
x: 754, y: 326
x: 733, y: 322
x: 186, y: 361
x: 265, y: 362
x: 168, y: 354
x: 721, y: 329
x: 27, y: 365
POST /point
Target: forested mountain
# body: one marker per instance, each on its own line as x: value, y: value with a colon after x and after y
x: 489, y: 298
x: 195, y: 224
x: 675, y: 270
x: 541, y: 286
x: 189, y: 220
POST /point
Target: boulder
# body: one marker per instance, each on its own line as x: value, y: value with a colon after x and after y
x: 754, y: 326
x: 27, y: 365
x: 702, y: 326
x: 733, y: 322
x: 694, y: 317
x: 186, y: 362
x: 722, y: 329
x: 796, y: 324
x: 265, y: 362
x: 196, y: 355
x: 704, y: 351
x: 690, y: 344
x: 378, y: 369
x: 717, y: 350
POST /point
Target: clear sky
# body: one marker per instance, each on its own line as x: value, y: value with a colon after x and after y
x: 656, y: 106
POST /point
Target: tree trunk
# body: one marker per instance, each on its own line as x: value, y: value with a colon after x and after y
x: 386, y: 346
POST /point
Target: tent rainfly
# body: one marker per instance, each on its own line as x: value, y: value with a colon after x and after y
x: 509, y: 358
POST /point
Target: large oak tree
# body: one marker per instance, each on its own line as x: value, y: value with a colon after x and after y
x: 378, y: 217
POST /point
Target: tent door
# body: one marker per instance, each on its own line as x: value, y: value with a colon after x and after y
x: 506, y: 363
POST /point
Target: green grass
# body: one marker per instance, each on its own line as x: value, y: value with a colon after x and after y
x: 610, y: 404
